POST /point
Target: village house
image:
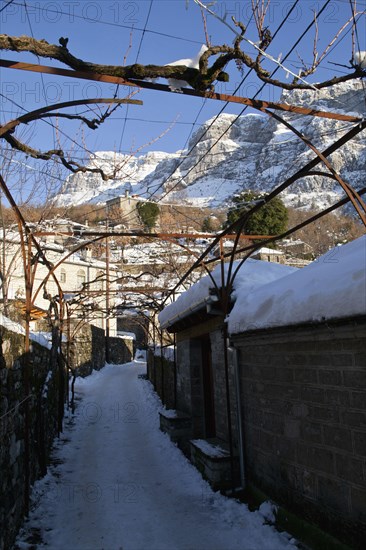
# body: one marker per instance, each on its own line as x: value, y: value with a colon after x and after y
x: 61, y: 230
x: 124, y: 210
x: 82, y: 278
x: 202, y: 372
x: 284, y: 414
x: 270, y: 255
x: 297, y: 248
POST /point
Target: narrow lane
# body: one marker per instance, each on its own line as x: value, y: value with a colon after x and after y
x: 118, y: 483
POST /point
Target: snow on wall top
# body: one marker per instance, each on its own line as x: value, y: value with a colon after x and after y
x: 334, y: 286
x: 38, y: 337
x: 253, y: 273
x: 126, y: 335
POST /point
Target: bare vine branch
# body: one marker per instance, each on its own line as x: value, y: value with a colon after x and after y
x: 42, y: 48
x: 318, y: 58
x: 7, y: 131
x: 200, y: 79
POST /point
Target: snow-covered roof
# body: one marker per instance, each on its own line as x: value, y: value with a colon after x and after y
x: 290, y: 242
x: 156, y: 253
x: 252, y: 273
x: 10, y: 236
x: 331, y: 287
x: 265, y: 250
x: 77, y: 259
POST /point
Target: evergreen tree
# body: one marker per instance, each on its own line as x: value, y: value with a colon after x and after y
x: 148, y: 213
x: 207, y: 225
x: 270, y: 219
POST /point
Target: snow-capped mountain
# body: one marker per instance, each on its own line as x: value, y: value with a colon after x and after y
x: 129, y: 171
x: 253, y: 151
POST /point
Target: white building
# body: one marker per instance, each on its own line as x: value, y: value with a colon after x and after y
x: 82, y: 279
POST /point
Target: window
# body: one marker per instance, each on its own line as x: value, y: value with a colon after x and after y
x: 81, y: 278
x: 63, y: 276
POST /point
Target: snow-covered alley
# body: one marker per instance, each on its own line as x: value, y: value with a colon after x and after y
x: 117, y: 482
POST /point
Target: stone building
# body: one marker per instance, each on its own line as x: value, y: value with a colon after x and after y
x: 202, y: 373
x: 298, y: 248
x: 270, y: 255
x: 288, y: 413
x: 123, y: 210
x: 82, y: 278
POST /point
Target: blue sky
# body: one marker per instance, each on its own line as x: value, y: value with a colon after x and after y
x: 100, y: 31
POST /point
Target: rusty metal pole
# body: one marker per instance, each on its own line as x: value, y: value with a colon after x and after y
x: 225, y: 299
x: 153, y: 356
x: 228, y: 405
x: 162, y: 367
x: 67, y: 354
x: 175, y: 364
x: 107, y: 300
x: 257, y: 104
x: 27, y: 255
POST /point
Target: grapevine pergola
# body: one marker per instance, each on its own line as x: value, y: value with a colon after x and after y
x: 201, y: 81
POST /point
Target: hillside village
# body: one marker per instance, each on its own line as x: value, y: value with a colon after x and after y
x: 183, y: 344
x: 149, y: 267
x: 112, y: 290
x: 83, y: 274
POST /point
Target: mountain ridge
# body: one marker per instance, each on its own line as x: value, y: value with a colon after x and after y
x: 256, y: 152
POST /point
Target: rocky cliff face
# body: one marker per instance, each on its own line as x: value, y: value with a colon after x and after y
x: 255, y: 152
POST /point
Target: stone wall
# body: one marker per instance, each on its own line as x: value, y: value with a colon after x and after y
x: 121, y: 350
x: 137, y: 324
x: 160, y: 371
x: 196, y: 396
x: 303, y: 395
x: 304, y: 412
x: 190, y: 391
x: 88, y: 350
x: 33, y: 411
x: 184, y: 384
x: 220, y: 393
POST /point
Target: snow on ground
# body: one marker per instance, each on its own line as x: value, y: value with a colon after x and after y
x: 197, y: 194
x: 331, y: 287
x: 214, y: 451
x: 117, y: 482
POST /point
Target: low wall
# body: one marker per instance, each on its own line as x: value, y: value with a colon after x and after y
x: 137, y: 324
x: 304, y: 413
x: 33, y: 412
x: 120, y: 350
x: 88, y: 350
x: 161, y: 372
